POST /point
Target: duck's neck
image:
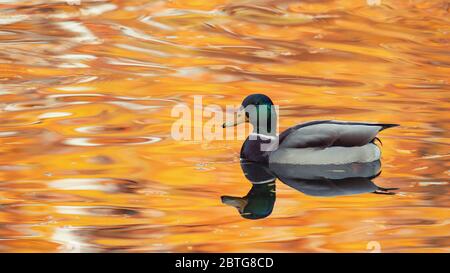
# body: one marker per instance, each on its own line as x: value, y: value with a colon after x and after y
x: 263, y: 139
x: 264, y: 131
x: 266, y: 122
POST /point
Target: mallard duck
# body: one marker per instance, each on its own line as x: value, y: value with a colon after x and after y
x: 312, y: 143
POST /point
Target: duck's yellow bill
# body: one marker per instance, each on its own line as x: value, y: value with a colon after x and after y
x: 240, y: 118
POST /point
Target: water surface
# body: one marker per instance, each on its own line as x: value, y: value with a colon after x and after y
x: 87, y: 162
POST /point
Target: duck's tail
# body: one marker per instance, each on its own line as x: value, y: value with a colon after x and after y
x: 375, y: 139
x: 385, y: 126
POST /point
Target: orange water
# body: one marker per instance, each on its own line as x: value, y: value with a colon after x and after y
x: 87, y: 162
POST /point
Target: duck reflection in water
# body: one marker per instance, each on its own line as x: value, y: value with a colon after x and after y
x: 313, y: 180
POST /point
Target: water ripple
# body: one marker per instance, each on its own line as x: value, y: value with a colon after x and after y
x: 104, y: 141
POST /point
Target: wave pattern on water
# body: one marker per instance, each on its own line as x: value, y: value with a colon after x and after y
x: 86, y: 88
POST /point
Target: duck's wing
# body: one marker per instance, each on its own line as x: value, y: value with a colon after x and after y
x: 327, y: 133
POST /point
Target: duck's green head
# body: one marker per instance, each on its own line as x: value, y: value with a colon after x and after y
x: 257, y: 109
x: 257, y: 100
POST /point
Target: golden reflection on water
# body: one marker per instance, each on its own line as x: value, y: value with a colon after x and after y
x: 87, y: 162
